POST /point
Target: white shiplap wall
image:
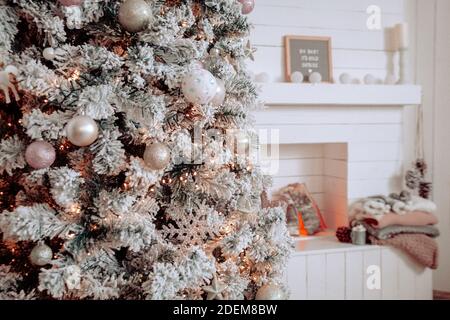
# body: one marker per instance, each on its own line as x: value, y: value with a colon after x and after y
x: 371, y: 162
x: 356, y: 49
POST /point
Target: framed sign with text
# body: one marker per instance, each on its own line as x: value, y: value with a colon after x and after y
x: 308, y: 55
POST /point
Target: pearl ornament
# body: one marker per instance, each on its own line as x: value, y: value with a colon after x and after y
x: 82, y: 131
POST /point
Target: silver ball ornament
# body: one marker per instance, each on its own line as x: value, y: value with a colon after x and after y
x: 220, y: 93
x: 247, y: 6
x: 41, y: 255
x: 135, y: 15
x: 270, y: 292
x: 297, y: 77
x: 40, y: 155
x: 49, y: 54
x: 82, y: 131
x: 315, y: 77
x: 68, y: 3
x: 214, y: 52
x: 157, y: 156
x: 199, y: 86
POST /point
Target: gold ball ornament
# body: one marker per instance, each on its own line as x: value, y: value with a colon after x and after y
x: 270, y: 292
x: 157, y: 156
x: 41, y: 255
x: 135, y: 15
x: 82, y: 131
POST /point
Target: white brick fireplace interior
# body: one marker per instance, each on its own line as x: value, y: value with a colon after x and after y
x: 344, y: 141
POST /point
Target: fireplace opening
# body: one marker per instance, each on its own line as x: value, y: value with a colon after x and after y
x: 322, y: 167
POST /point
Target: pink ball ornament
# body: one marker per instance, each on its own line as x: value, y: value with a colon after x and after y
x: 247, y: 6
x: 68, y: 3
x: 40, y: 155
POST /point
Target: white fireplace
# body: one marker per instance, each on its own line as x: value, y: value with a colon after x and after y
x: 345, y: 142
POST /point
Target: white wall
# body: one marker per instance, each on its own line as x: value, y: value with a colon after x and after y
x: 356, y: 49
x: 433, y: 72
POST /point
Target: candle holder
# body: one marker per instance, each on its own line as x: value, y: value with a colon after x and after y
x: 403, y: 66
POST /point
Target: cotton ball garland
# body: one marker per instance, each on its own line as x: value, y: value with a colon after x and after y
x: 247, y: 6
x: 297, y: 77
x: 82, y: 131
x: 68, y: 3
x: 369, y: 79
x: 220, y: 93
x: 315, y: 77
x: 270, y: 292
x: 135, y: 15
x: 41, y: 255
x: 199, y: 86
x: 157, y: 156
x: 345, y: 78
x: 40, y: 155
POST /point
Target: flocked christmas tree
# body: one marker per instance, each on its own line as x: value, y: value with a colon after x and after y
x: 125, y: 156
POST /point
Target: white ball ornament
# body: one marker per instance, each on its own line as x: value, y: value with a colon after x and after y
x: 345, y: 78
x: 82, y: 131
x: 219, y: 98
x: 49, y: 54
x: 297, y: 77
x: 157, y: 156
x: 199, y: 86
x: 41, y: 255
x: 369, y: 79
x: 270, y: 292
x: 315, y: 77
x: 135, y: 15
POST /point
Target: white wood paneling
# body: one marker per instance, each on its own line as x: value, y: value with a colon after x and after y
x: 313, y: 18
x: 406, y: 277
x: 297, y: 273
x: 323, y: 268
x: 325, y: 115
x: 390, y: 269
x: 387, y: 6
x: 335, y: 276
x: 316, y: 281
x: 371, y: 258
x: 354, y: 275
x: 292, y: 134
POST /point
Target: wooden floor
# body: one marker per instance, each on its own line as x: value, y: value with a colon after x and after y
x: 440, y: 295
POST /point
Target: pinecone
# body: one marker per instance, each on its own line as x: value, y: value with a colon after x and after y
x: 425, y: 190
x: 413, y: 179
x: 343, y: 234
x: 421, y: 166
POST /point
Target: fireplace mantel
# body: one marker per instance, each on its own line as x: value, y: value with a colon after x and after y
x: 283, y: 94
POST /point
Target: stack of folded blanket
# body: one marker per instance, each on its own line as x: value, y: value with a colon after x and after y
x: 400, y: 220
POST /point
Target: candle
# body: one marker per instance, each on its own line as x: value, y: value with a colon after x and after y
x: 401, y: 31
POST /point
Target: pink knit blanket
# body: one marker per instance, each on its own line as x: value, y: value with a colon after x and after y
x: 421, y: 248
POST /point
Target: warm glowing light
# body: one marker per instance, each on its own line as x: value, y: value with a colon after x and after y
x: 75, y: 75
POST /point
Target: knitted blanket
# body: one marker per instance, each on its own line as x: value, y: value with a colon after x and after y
x: 421, y: 248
